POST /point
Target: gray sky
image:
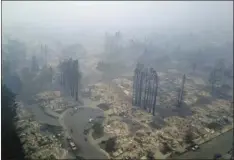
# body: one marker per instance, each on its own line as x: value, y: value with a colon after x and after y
x: 113, y: 14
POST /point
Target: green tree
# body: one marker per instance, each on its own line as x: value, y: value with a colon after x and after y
x: 111, y: 145
x: 71, y: 77
x: 188, y: 137
x: 11, y: 145
x: 51, y: 157
x: 166, y: 148
x: 217, y: 75
x: 98, y: 129
x: 150, y: 155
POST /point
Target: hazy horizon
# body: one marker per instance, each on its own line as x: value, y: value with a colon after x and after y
x: 119, y: 15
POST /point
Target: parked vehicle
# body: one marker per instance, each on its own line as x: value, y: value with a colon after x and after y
x: 195, y: 147
x: 85, y: 131
x: 217, y: 156
x: 69, y: 138
x: 73, y: 146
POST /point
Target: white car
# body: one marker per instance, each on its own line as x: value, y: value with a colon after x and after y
x: 74, y: 148
x: 196, y: 146
x: 90, y: 120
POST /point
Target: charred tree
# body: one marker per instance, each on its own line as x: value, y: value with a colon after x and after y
x: 146, y: 89
x: 145, y: 86
x: 77, y: 78
x: 136, y: 85
x: 149, y: 97
x: 156, y: 82
x: 212, y: 80
x: 218, y: 75
x: 151, y: 90
x: 142, y: 76
x: 44, y: 53
x: 70, y: 77
x: 181, y: 92
x: 35, y: 65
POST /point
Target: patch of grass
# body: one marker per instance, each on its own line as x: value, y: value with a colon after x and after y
x: 104, y: 106
x: 214, y: 125
x: 155, y: 125
x: 204, y: 100
x: 98, y: 131
x: 109, y: 145
x: 150, y: 155
x: 165, y: 148
x: 103, y: 145
x: 188, y: 137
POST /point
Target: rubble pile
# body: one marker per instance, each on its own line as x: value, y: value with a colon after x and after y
x: 56, y: 104
x: 53, y: 101
x: 125, y: 85
x: 116, y: 128
x: 107, y: 94
x: 22, y: 113
x: 181, y: 124
x: 127, y: 148
x: 141, y: 115
x: 48, y: 95
x: 100, y: 92
x: 173, y: 128
x: 137, y: 146
x: 35, y: 144
x: 145, y: 138
x: 168, y: 90
x: 49, y: 153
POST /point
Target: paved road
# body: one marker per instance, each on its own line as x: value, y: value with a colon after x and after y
x: 40, y: 115
x: 78, y: 122
x: 220, y: 144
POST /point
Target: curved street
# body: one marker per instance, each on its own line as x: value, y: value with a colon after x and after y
x: 221, y: 144
x: 75, y: 124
